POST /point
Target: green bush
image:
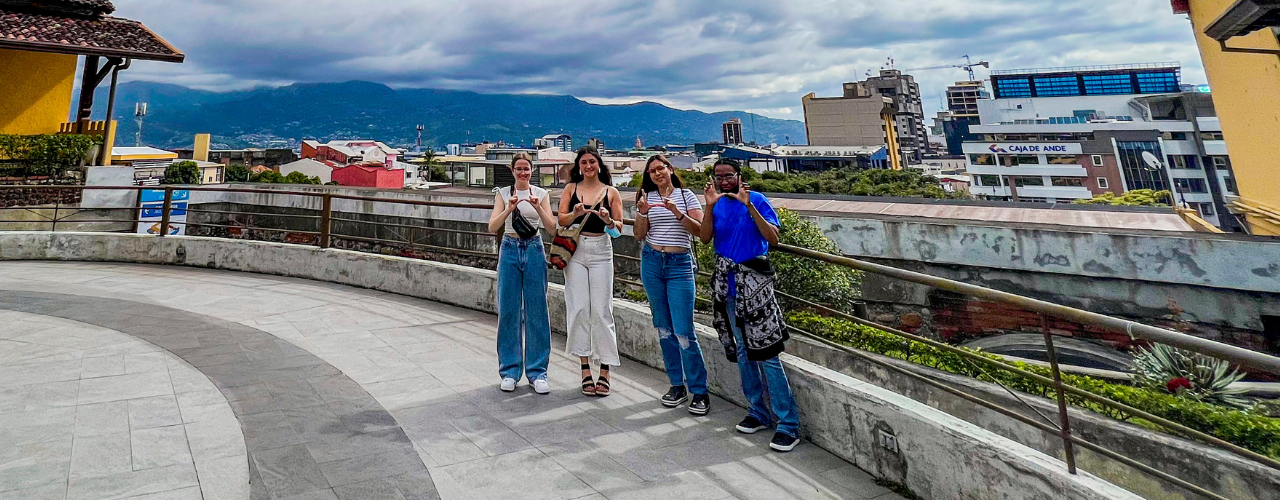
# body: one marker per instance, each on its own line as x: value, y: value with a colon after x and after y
x: 1253, y: 431
x: 50, y: 154
x: 300, y: 178
x: 267, y: 177
x: 182, y: 172
x: 1137, y: 197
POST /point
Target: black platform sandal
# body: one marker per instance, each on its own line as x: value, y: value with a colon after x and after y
x: 588, y: 383
x: 602, y: 385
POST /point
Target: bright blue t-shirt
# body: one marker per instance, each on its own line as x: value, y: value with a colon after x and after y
x: 737, y: 237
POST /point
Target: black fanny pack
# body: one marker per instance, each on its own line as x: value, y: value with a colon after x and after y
x: 522, y: 226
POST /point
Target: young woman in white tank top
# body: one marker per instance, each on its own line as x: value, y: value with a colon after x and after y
x: 524, y: 327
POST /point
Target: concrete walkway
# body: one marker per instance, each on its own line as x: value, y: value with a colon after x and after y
x: 131, y: 381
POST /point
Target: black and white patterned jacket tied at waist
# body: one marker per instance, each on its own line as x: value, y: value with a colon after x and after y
x: 758, y: 316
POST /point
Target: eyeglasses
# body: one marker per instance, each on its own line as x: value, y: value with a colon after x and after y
x: 724, y: 177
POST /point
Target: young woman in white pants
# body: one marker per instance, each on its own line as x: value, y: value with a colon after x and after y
x: 588, y: 279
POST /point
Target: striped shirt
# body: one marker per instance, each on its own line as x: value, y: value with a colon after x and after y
x: 664, y: 229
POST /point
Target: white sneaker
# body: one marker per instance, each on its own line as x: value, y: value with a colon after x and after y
x: 508, y: 384
x: 540, y: 386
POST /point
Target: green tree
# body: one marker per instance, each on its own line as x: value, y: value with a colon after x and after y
x: 237, y: 173
x: 268, y: 177
x: 828, y: 284
x: 296, y: 177
x: 182, y: 172
x: 1137, y: 197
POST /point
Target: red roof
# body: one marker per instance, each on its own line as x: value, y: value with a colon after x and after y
x: 54, y: 30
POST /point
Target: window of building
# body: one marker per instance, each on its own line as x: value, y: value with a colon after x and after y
x: 1033, y: 200
x: 1191, y: 185
x: 1061, y: 159
x: 1221, y: 162
x: 1103, y: 184
x: 1206, y: 210
x: 1011, y: 87
x: 1055, y: 86
x: 982, y: 159
x: 1133, y: 166
x: 1158, y: 82
x: 988, y: 180
x: 1015, y: 160
x: 1068, y: 181
x: 1107, y: 84
x: 1230, y: 184
x: 1211, y: 136
x: 1174, y: 136
x: 1186, y: 162
x: 1097, y: 160
x: 1028, y: 181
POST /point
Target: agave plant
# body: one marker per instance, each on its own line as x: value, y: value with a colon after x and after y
x: 1189, y: 374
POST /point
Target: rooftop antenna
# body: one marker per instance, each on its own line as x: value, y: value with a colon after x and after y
x: 418, y: 148
x: 139, y: 114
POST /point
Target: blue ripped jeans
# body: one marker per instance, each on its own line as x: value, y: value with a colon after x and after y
x: 524, y: 327
x: 668, y: 281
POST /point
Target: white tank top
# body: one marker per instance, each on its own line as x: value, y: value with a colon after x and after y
x: 526, y: 209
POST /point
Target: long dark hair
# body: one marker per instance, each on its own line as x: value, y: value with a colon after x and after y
x: 575, y: 174
x: 647, y: 185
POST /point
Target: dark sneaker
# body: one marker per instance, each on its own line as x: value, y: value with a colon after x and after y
x: 783, y: 443
x: 750, y: 425
x: 675, y: 397
x: 700, y: 404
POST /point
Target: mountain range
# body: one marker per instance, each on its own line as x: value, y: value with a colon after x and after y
x: 364, y: 110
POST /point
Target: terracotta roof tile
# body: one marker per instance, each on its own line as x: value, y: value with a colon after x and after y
x: 92, y: 8
x: 110, y: 36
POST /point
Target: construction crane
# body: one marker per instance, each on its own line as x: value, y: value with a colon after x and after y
x: 967, y: 66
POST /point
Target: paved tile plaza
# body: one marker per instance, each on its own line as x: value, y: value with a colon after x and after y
x: 155, y: 382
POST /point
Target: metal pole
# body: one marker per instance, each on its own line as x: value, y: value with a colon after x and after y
x: 164, y: 211
x: 57, y: 203
x: 326, y: 214
x: 1063, y: 417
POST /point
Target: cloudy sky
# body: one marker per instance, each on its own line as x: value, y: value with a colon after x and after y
x: 711, y: 55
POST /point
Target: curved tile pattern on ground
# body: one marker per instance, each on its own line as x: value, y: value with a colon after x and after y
x: 86, y: 411
x: 307, y: 427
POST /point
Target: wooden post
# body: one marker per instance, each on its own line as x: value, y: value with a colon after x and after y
x: 165, y: 210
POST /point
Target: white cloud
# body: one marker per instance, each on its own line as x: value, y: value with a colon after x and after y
x: 711, y: 55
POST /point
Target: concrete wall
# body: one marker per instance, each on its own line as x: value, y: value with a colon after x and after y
x: 940, y: 457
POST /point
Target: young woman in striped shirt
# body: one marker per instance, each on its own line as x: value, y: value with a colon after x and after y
x: 669, y: 216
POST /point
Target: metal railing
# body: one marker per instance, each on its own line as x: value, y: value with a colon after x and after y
x: 324, y: 236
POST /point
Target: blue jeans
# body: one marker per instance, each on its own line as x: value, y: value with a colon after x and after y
x: 756, y: 375
x: 522, y: 309
x: 668, y: 281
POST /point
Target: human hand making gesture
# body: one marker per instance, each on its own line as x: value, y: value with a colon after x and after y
x: 744, y: 194
x: 642, y: 203
x: 672, y: 207
x: 579, y: 210
x: 605, y: 216
x: 711, y: 194
x: 511, y: 204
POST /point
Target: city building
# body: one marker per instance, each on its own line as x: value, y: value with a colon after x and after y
x: 596, y: 144
x: 731, y: 131
x: 795, y: 159
x: 854, y: 119
x: 39, y: 62
x: 561, y: 141
x: 270, y: 158
x: 1096, y: 140
x: 311, y: 168
x: 1239, y: 54
x: 347, y: 152
x: 913, y: 133
x: 368, y: 175
x: 962, y: 112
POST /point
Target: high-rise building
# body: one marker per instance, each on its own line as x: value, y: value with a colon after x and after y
x: 855, y: 119
x: 596, y: 144
x: 913, y: 132
x: 561, y: 141
x: 732, y: 131
x: 1052, y: 140
x: 962, y: 105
